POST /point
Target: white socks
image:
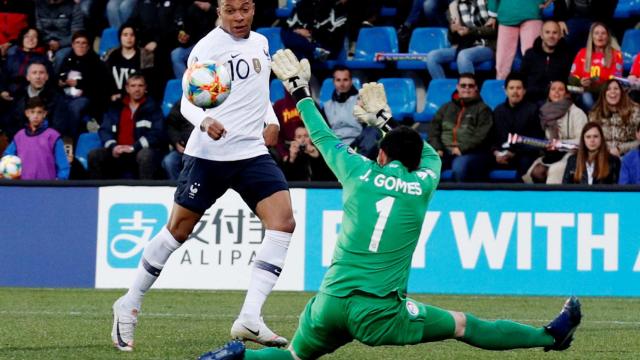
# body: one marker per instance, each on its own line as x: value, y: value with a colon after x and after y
x: 266, y: 270
x: 154, y: 257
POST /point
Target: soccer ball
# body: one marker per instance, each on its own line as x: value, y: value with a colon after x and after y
x: 10, y: 167
x: 206, y: 84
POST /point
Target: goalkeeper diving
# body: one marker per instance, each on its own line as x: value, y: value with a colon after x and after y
x: 363, y: 294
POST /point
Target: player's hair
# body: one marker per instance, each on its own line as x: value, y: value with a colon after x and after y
x: 515, y: 76
x: 35, y: 102
x: 467, y: 76
x: 405, y: 145
x: 220, y: 2
x: 341, y: 68
x: 601, y: 161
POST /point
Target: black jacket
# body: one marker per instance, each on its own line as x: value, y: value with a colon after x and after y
x: 540, y: 68
x: 521, y: 119
x: 157, y: 20
x: 599, y: 10
x: 178, y: 128
x: 612, y: 178
x: 94, y: 83
x: 50, y: 95
x: 148, y: 126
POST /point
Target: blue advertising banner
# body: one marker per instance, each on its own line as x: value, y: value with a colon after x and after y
x: 49, y: 236
x: 506, y: 242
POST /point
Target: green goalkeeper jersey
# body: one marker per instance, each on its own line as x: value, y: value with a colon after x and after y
x: 384, y: 208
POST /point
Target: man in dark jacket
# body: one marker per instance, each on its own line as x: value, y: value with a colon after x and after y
x: 58, y: 20
x: 459, y: 132
x: 549, y: 59
x: 515, y: 116
x: 132, y: 136
x: 576, y: 16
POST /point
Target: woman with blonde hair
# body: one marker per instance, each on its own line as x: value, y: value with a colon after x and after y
x: 593, y: 164
x: 598, y: 62
x: 619, y: 116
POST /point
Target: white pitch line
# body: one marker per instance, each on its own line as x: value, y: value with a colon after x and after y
x: 230, y: 316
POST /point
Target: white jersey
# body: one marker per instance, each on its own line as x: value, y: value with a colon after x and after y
x: 246, y: 110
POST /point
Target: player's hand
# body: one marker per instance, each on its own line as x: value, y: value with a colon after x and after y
x: 373, y: 108
x: 294, y: 74
x: 270, y: 134
x: 213, y: 128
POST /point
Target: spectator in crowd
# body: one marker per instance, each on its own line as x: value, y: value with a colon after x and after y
x: 37, y: 85
x: 630, y: 171
x: 595, y: 64
x: 58, y: 20
x: 361, y: 13
x: 132, y: 136
x: 157, y: 23
x: 516, y: 20
x: 83, y: 78
x: 562, y: 121
x: 28, y: 49
x: 119, y: 11
x: 460, y: 133
x: 39, y: 147
x: 593, y: 164
x: 16, y: 15
x: 265, y: 14
x: 289, y: 120
x: 126, y: 60
x: 93, y: 12
x: 618, y: 116
x: 178, y: 130
x: 515, y: 116
x: 576, y: 16
x: 199, y: 17
x: 634, y: 79
x: 473, y: 41
x: 548, y: 59
x: 316, y: 29
x: 304, y: 162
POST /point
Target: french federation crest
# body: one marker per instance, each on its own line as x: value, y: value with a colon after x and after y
x: 256, y: 65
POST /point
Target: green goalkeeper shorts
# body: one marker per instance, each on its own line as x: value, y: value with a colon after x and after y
x: 328, y: 322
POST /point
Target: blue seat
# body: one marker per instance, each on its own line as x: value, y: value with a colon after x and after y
x: 370, y: 41
x: 422, y: 41
x: 492, y: 93
x: 273, y: 36
x: 287, y: 10
x: 625, y: 9
x: 446, y: 175
x: 86, y: 143
x: 108, y: 40
x: 276, y: 90
x: 401, y: 96
x: 438, y: 93
x: 503, y: 175
x: 172, y: 93
x: 630, y: 47
x: 326, y: 90
x: 547, y: 13
x: 388, y: 11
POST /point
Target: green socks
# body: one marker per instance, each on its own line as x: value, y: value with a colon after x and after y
x: 504, y: 335
x: 268, y: 353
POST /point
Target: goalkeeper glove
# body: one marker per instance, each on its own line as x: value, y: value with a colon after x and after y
x: 294, y: 74
x: 373, y: 109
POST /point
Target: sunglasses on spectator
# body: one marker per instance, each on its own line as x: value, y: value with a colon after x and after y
x: 467, y: 86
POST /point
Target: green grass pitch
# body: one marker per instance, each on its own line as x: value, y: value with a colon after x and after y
x: 76, y: 324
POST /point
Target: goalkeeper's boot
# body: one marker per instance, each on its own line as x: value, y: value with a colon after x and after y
x: 257, y: 332
x: 124, y: 324
x: 564, y: 325
x: 230, y: 351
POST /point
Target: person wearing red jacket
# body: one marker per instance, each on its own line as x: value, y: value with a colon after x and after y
x: 598, y: 62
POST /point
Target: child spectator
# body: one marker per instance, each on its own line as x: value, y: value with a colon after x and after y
x: 595, y: 64
x: 592, y: 164
x: 39, y: 147
x: 630, y: 172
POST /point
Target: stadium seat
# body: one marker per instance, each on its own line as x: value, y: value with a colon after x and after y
x: 547, y: 13
x: 424, y: 40
x: 446, y: 175
x: 276, y: 90
x: 370, y: 41
x: 630, y: 47
x: 108, y: 41
x: 86, y: 143
x: 438, y: 93
x: 386, y: 11
x: 492, y: 93
x: 503, y: 175
x: 625, y: 9
x: 287, y: 10
x: 401, y: 96
x: 172, y: 93
x: 327, y: 89
x: 273, y: 36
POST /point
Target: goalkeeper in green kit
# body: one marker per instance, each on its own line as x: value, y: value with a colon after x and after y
x: 363, y: 294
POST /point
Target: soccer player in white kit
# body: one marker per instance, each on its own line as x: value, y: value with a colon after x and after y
x: 225, y: 150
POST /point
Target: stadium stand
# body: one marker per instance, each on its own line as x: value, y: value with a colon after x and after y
x: 172, y: 93
x: 492, y: 93
x: 370, y: 41
x: 86, y: 143
x: 401, y: 96
x: 630, y: 46
x: 327, y: 89
x: 108, y: 41
x: 273, y: 36
x: 286, y: 11
x: 438, y: 93
x: 422, y: 41
x: 276, y: 90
